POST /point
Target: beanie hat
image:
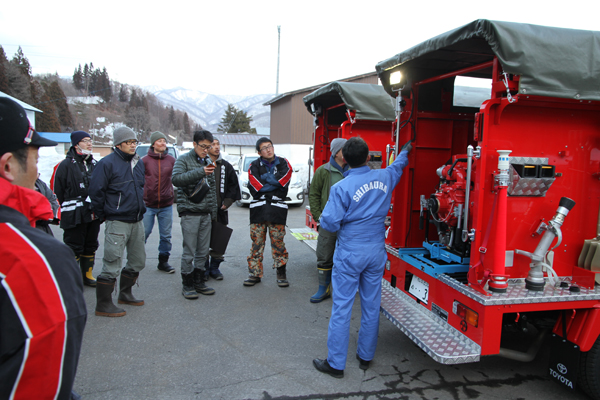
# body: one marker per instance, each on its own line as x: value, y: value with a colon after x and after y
x: 336, y: 145
x: 16, y: 131
x: 78, y: 136
x: 123, y: 134
x: 155, y: 136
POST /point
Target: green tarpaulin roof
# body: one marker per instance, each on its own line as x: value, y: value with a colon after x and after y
x: 369, y: 101
x: 554, y: 62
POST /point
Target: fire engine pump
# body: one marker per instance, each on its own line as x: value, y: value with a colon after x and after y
x: 446, y: 206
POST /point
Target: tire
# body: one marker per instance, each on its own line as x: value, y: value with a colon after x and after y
x: 589, y: 371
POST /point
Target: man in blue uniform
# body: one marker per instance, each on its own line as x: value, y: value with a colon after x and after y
x: 356, y: 210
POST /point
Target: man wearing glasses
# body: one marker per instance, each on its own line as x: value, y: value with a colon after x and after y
x: 117, y: 195
x: 197, y: 211
x: 71, y: 182
x: 268, y: 180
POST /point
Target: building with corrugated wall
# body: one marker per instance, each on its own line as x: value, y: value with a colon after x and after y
x: 292, y: 124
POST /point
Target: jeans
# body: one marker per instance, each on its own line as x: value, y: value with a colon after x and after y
x: 164, y: 215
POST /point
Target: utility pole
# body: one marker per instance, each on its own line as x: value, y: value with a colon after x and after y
x: 278, y: 45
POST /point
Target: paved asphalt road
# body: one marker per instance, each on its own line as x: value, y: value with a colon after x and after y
x: 259, y: 342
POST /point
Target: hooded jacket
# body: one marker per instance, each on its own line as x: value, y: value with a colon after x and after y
x: 117, y: 187
x: 71, y: 182
x: 158, y: 189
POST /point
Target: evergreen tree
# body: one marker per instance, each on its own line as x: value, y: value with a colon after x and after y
x: 47, y: 121
x: 78, y: 78
x: 3, y: 72
x: 105, y: 85
x: 123, y: 94
x: 133, y: 99
x: 172, y: 118
x: 23, y: 63
x: 186, y: 127
x: 59, y: 99
x: 235, y: 121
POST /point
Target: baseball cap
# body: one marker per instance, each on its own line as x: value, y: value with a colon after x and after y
x: 16, y: 131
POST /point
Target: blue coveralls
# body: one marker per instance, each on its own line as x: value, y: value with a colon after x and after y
x: 356, y: 210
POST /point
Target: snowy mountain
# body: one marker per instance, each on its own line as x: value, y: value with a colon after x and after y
x: 207, y: 109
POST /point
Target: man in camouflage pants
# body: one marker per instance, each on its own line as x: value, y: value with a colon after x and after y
x: 268, y: 180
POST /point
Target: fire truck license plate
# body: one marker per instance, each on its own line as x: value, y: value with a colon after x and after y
x: 419, y: 288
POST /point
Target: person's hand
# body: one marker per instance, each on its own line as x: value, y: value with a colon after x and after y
x: 209, y: 169
x: 407, y: 146
x: 224, y: 207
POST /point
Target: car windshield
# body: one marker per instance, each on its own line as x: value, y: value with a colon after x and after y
x: 247, y: 162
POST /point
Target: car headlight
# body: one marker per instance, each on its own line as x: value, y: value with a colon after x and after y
x: 296, y: 185
x: 245, y: 184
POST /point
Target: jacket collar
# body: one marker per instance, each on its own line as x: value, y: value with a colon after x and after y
x: 33, y: 205
x: 357, y: 171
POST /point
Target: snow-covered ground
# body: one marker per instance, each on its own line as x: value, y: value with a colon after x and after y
x: 48, y: 159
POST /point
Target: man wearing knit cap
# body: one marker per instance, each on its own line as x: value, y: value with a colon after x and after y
x: 325, y: 177
x: 117, y: 195
x: 71, y: 183
x: 159, y: 196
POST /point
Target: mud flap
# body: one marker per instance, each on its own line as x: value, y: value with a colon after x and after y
x: 564, y: 361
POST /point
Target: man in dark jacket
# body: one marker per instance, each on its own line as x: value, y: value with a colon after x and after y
x: 159, y: 196
x: 42, y: 309
x: 71, y: 183
x: 227, y: 191
x: 197, y: 213
x: 117, y: 194
x: 268, y: 180
x: 44, y: 225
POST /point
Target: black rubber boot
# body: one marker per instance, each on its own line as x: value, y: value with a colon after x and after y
x: 128, y: 279
x: 163, y: 264
x: 281, y: 277
x: 214, y: 269
x: 188, y: 290
x: 199, y: 279
x: 86, y: 263
x: 104, y: 304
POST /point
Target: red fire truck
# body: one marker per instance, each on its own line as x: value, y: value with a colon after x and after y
x: 493, y: 234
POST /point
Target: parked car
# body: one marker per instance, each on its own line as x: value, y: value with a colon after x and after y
x: 143, y: 148
x: 295, y: 193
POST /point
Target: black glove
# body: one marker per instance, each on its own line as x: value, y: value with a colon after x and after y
x: 407, y: 146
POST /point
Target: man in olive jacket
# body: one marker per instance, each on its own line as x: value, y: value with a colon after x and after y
x: 325, y: 177
x: 196, y: 217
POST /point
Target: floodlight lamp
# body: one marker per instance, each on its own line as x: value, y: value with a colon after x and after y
x: 395, y: 78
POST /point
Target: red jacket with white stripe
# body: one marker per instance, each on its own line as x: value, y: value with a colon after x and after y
x: 42, y: 309
x: 268, y: 204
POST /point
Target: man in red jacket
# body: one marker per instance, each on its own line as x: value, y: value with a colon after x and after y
x: 42, y: 309
x: 159, y: 196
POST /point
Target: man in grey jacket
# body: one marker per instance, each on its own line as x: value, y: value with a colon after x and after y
x: 197, y: 213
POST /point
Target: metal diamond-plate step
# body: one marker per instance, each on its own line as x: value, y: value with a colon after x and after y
x: 437, y: 338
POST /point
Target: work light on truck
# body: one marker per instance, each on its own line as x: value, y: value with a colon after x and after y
x: 395, y: 78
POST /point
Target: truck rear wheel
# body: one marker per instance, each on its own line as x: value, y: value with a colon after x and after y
x: 589, y: 371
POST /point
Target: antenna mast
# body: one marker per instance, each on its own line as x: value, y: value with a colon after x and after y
x: 278, y: 45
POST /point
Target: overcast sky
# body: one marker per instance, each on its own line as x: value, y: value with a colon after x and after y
x: 230, y: 47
